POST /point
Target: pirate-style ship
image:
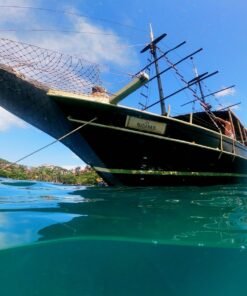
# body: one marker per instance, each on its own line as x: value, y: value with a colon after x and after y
x: 126, y: 146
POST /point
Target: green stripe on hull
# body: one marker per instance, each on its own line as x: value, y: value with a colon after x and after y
x: 168, y: 173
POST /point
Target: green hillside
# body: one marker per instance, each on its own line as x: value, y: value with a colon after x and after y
x: 50, y: 173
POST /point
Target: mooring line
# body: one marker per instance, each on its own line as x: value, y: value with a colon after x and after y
x: 53, y: 142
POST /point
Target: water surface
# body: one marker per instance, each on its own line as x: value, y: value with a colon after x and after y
x: 71, y: 240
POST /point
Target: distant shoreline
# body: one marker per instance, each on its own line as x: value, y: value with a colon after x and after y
x: 50, y: 173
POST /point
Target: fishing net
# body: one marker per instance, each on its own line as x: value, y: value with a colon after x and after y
x: 48, y: 69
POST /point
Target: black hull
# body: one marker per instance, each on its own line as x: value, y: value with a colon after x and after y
x: 32, y: 104
x: 184, y: 155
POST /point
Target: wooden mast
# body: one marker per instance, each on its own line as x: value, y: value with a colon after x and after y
x: 160, y: 87
x: 152, y: 47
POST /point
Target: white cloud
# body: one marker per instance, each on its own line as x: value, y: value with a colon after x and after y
x: 226, y: 92
x: 14, y: 15
x: 94, y: 43
x: 98, y: 44
x: 8, y: 120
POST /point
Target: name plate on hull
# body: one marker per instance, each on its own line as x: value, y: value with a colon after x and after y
x: 145, y: 125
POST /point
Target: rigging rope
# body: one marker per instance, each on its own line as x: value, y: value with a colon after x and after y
x: 56, y: 31
x: 71, y: 13
x: 180, y: 75
x: 202, y: 103
x: 52, y: 143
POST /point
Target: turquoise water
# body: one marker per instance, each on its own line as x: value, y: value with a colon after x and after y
x: 68, y: 240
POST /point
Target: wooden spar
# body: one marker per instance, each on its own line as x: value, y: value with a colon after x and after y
x: 160, y: 57
x: 218, y: 91
x: 190, y: 102
x: 222, y: 109
x: 211, y: 94
x: 180, y: 61
x: 203, y: 78
x: 178, y: 91
x: 198, y: 77
x: 140, y: 80
x: 153, y: 41
x: 152, y: 47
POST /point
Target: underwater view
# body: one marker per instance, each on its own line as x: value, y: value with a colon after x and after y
x: 74, y: 240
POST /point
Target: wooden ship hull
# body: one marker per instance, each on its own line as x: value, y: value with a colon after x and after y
x: 136, y: 148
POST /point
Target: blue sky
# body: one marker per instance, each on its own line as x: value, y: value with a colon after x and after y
x: 118, y: 30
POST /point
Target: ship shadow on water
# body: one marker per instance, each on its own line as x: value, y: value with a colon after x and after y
x: 132, y: 241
